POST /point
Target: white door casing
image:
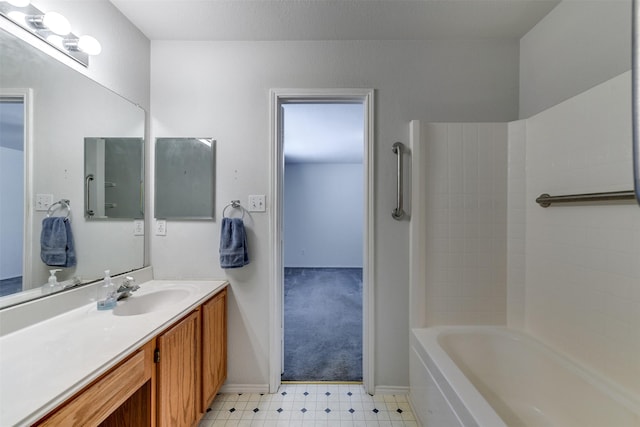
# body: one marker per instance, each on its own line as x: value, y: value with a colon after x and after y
x: 277, y: 98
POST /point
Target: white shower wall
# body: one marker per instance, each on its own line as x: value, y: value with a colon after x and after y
x: 582, y: 261
x: 466, y: 222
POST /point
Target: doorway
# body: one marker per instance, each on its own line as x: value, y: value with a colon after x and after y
x: 323, y: 227
x: 289, y: 248
x: 14, y: 214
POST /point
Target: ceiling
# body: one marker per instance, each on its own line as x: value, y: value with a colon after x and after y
x: 323, y: 133
x: 255, y: 20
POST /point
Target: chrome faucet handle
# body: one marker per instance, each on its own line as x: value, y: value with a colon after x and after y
x: 128, y: 285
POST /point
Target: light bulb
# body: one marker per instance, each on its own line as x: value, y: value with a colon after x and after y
x: 56, y: 40
x: 89, y: 45
x: 18, y: 17
x: 19, y: 3
x: 56, y: 23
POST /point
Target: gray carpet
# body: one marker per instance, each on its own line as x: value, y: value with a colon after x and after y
x: 10, y: 286
x: 322, y: 324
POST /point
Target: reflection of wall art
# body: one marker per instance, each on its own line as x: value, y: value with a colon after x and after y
x: 185, y: 178
x: 113, y: 170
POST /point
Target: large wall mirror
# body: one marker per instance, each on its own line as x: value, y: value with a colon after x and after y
x: 49, y: 115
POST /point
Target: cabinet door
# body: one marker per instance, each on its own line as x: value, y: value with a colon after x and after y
x: 178, y: 374
x: 214, y: 347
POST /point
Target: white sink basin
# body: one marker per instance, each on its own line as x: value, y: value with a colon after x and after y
x: 153, y: 301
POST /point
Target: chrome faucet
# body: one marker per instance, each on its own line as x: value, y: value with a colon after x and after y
x: 127, y: 286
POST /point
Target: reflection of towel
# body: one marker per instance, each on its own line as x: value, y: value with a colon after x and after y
x: 233, y: 244
x: 56, y: 242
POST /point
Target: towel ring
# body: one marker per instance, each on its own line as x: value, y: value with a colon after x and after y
x: 64, y: 203
x: 235, y: 204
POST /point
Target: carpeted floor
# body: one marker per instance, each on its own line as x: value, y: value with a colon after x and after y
x: 322, y: 324
x: 10, y: 286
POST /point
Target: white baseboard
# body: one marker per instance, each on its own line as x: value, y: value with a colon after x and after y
x: 245, y: 388
x: 388, y: 389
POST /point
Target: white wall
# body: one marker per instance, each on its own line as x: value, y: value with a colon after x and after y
x: 323, y: 215
x: 221, y: 89
x: 578, y: 45
x: 516, y: 224
x: 123, y: 65
x: 582, y: 270
x: 465, y: 188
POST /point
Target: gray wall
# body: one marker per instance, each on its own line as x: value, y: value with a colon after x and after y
x: 578, y: 45
x: 221, y: 89
x: 323, y: 215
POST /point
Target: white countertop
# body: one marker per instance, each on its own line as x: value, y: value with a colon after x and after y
x: 46, y: 363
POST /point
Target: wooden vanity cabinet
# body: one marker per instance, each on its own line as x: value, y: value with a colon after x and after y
x: 192, y: 363
x: 122, y: 396
x: 178, y: 373
x: 214, y: 347
x: 169, y: 382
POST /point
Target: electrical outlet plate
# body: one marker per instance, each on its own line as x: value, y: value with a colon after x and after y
x: 43, y: 201
x: 257, y: 203
x: 138, y: 227
x: 161, y: 227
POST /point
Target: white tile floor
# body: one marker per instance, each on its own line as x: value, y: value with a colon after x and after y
x: 302, y: 405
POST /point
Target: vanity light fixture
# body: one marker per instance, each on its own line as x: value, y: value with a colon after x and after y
x: 51, y: 27
x: 86, y: 44
x: 52, y: 21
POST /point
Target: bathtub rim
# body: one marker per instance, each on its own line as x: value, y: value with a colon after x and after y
x: 470, y: 397
x: 425, y: 342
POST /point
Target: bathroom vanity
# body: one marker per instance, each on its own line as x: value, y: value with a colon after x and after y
x: 157, y: 359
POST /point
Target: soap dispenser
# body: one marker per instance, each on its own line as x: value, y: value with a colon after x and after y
x: 107, y: 293
x: 52, y: 285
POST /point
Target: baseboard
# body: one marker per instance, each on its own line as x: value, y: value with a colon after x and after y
x: 389, y: 389
x: 245, y: 388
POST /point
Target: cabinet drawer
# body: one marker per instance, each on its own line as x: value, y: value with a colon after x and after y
x: 95, y: 403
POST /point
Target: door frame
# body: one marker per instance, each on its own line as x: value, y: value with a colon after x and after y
x: 278, y: 97
x: 26, y: 94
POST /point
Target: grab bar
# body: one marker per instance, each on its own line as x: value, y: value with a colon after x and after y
x: 635, y: 95
x: 546, y: 200
x: 398, y: 213
x: 87, y: 204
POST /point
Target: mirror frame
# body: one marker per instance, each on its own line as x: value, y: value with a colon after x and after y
x: 160, y: 193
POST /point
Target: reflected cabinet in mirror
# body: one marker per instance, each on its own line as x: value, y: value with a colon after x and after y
x: 47, y: 112
x: 185, y: 175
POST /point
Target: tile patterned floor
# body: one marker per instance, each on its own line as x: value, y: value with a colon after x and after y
x: 303, y: 405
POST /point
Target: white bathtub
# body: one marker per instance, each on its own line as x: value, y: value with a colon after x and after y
x: 493, y: 377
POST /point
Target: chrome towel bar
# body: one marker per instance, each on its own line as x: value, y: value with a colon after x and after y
x: 398, y: 212
x: 546, y: 200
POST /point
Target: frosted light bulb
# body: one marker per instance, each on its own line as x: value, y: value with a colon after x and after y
x: 18, y: 17
x: 56, y: 40
x: 56, y: 23
x: 89, y: 45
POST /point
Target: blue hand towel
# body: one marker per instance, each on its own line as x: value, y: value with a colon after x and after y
x: 233, y: 244
x: 56, y: 242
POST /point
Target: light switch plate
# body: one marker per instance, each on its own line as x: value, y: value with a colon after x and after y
x: 161, y: 227
x: 43, y: 201
x: 257, y: 203
x: 138, y: 227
